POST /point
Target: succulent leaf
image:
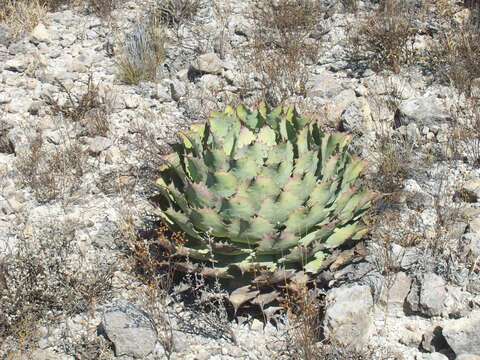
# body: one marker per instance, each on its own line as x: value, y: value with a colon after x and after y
x: 223, y: 183
x: 253, y: 189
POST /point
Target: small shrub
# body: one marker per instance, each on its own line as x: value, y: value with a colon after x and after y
x: 142, y: 53
x: 87, y: 346
x: 350, y: 5
x: 46, y: 274
x: 464, y: 144
x: 51, y: 174
x: 384, y: 40
x: 6, y: 146
x: 283, y: 46
x: 90, y: 109
x: 474, y: 6
x: 175, y: 13
x: 393, y: 164
x: 304, y: 333
x: 455, y: 56
x: 102, y: 8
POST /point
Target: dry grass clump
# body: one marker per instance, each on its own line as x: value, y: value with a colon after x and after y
x: 392, y: 162
x: 150, y: 262
x: 102, y: 8
x: 175, y: 13
x: 6, y: 146
x: 350, y: 5
x: 464, y: 143
x: 51, y: 174
x: 88, y: 346
x: 21, y: 16
x: 304, y: 334
x: 153, y: 260
x: 385, y: 39
x: 142, y: 52
x: 90, y: 109
x: 44, y: 276
x: 455, y: 56
x: 283, y: 46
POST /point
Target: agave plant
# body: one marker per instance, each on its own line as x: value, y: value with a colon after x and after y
x: 263, y: 189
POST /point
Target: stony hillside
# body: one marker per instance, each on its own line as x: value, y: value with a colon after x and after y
x: 93, y: 92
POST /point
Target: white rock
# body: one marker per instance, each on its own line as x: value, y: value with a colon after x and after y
x: 19, y: 105
x: 113, y: 155
x: 338, y: 104
x: 463, y: 335
x: 47, y: 354
x: 472, y: 186
x: 324, y: 85
x: 209, y: 63
x: 347, y: 318
x: 131, y: 102
x: 68, y: 39
x: 40, y: 34
x: 434, y: 356
x: 415, y: 196
x: 461, y: 17
x: 4, y: 98
x: 178, y: 89
x: 474, y: 225
x: 428, y: 295
x: 98, y: 144
x: 423, y: 111
x: 5, y: 36
x: 15, y: 203
x: 357, y: 117
x: 468, y: 357
x: 130, y: 331
x: 472, y: 243
x: 394, y: 296
x: 209, y: 82
x: 162, y: 93
x: 17, y: 64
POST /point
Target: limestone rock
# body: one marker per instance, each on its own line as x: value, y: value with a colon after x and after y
x: 357, y: 117
x: 433, y: 340
x: 428, y: 295
x: 468, y: 357
x: 40, y: 354
x: 423, y: 111
x: 471, y: 189
x: 5, y: 36
x: 339, y: 104
x: 472, y: 244
x: 324, y: 85
x: 130, y: 330
x: 98, y: 144
x: 347, y: 318
x: 130, y: 102
x: 434, y: 356
x: 40, y: 34
x: 415, y: 197
x: 463, y: 335
x: 394, y: 297
x: 17, y: 64
x: 209, y: 63
x: 177, y: 89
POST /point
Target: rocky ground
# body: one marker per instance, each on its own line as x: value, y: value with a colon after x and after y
x: 80, y: 142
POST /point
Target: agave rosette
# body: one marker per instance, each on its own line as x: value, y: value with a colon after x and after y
x: 262, y: 189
